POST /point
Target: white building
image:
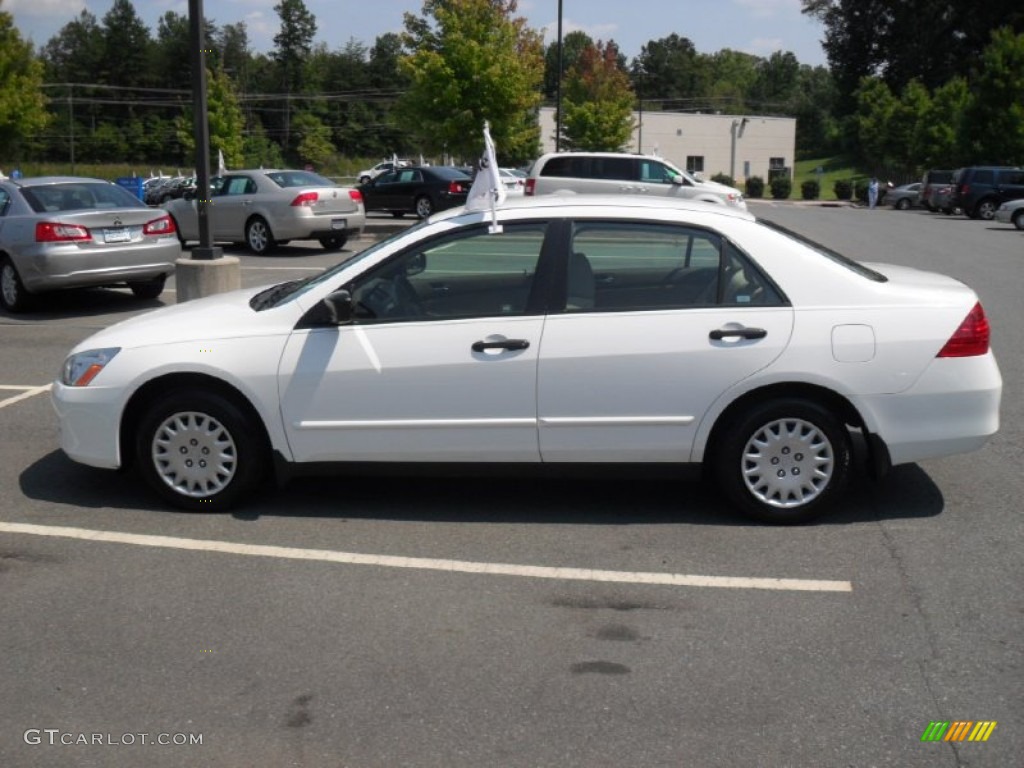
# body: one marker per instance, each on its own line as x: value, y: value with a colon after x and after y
x: 740, y: 146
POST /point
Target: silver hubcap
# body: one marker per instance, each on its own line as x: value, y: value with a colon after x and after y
x: 258, y: 237
x: 787, y: 463
x: 194, y: 454
x: 9, y: 285
x: 423, y: 207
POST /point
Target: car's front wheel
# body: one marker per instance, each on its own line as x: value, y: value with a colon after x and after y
x: 13, y: 295
x: 258, y: 236
x: 199, y: 450
x: 1018, y: 219
x: 333, y: 242
x: 783, y: 461
x: 903, y: 204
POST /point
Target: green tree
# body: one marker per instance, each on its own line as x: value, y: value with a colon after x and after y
x: 22, y: 104
x: 994, y: 124
x: 314, y: 139
x: 598, y: 102
x: 874, y: 119
x: 472, y: 61
x: 292, y: 51
x: 126, y: 47
x: 939, y: 131
x: 573, y: 45
x: 225, y: 121
x: 669, y: 72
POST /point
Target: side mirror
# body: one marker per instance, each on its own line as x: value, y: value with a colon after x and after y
x: 338, y: 307
x: 676, y: 179
x: 415, y: 264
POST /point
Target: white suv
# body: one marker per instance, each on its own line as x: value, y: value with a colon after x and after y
x: 619, y: 172
x: 388, y: 165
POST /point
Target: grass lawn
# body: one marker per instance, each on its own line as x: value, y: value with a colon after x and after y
x: 833, y: 169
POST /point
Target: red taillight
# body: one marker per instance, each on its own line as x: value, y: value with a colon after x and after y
x: 456, y: 188
x: 356, y: 195
x: 530, y: 184
x: 54, y: 232
x: 162, y: 226
x: 306, y: 198
x: 971, y: 338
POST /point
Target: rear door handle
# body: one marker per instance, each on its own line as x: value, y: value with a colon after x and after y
x: 740, y: 333
x: 510, y: 344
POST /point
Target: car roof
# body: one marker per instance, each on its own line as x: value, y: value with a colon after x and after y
x: 39, y: 181
x: 614, y: 205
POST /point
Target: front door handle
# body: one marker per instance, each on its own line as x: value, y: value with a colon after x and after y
x: 740, y: 333
x: 510, y: 344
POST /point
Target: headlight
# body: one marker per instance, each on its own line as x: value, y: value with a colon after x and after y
x: 82, y: 368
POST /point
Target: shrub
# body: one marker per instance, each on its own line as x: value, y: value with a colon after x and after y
x: 755, y: 187
x: 860, y: 190
x: 724, y: 178
x: 843, y: 189
x: 781, y: 187
x: 810, y: 190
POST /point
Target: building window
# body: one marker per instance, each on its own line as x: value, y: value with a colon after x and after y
x: 776, y: 163
x: 695, y: 163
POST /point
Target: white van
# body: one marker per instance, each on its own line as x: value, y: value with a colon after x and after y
x: 620, y: 172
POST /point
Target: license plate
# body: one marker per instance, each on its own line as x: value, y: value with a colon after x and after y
x: 338, y: 223
x: 116, y: 236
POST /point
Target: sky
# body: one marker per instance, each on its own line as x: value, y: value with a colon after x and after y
x: 760, y: 27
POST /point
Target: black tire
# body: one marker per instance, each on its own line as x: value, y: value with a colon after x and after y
x: 365, y: 179
x: 13, y: 295
x: 148, y: 289
x: 187, y: 427
x: 424, y: 206
x: 902, y: 204
x: 333, y: 242
x: 783, y: 461
x: 985, y: 209
x: 1018, y: 219
x: 258, y: 237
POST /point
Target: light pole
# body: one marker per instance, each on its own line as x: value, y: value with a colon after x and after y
x: 558, y: 86
x: 737, y: 133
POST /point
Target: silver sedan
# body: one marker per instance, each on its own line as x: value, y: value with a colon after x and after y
x: 71, y: 232
x: 1011, y: 213
x: 264, y: 208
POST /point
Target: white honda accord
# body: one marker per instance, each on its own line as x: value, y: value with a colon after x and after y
x: 588, y: 330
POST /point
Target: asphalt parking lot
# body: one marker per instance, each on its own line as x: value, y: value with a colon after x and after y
x: 492, y: 622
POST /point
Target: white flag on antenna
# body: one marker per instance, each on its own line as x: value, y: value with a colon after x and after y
x: 487, y: 190
x: 221, y: 168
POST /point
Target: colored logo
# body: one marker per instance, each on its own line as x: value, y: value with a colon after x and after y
x: 959, y: 730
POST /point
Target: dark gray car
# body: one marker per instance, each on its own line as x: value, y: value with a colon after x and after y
x: 72, y: 232
x: 904, y: 197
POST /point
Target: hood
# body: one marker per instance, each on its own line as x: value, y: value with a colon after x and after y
x: 724, y: 188
x: 222, y: 316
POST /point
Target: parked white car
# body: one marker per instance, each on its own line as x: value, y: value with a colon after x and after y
x: 616, y: 173
x: 365, y: 177
x: 591, y: 329
x: 1011, y: 212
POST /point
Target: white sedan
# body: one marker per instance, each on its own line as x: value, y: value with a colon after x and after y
x: 589, y: 330
x: 1011, y: 212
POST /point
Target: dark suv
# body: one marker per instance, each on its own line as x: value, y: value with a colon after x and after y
x: 980, y: 190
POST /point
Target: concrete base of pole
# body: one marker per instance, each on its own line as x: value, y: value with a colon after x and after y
x: 196, y: 278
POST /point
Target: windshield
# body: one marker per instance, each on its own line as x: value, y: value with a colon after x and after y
x: 278, y: 294
x: 828, y: 253
x: 79, y: 196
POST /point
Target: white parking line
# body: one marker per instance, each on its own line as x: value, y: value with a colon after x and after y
x: 25, y: 395
x: 429, y: 564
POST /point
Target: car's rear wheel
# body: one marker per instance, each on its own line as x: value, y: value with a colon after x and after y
x: 333, y: 242
x: 148, y: 289
x: 1018, y: 219
x: 199, y: 450
x: 986, y: 210
x: 365, y: 179
x: 783, y: 461
x: 903, y: 204
x: 258, y: 236
x: 13, y: 295
x: 424, y: 206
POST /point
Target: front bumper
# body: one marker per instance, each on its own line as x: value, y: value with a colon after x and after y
x: 89, y: 420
